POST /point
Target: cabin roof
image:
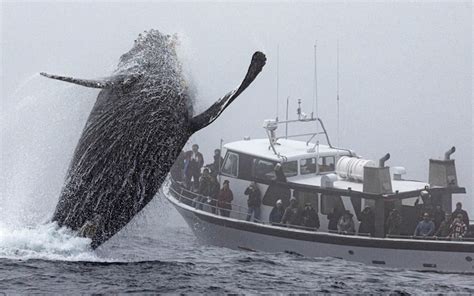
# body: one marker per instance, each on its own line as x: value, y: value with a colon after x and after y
x: 291, y: 149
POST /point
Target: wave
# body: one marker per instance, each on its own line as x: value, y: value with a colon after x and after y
x: 44, y: 241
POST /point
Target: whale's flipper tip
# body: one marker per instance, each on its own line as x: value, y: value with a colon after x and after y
x: 83, y: 82
x: 202, y: 120
x: 260, y: 58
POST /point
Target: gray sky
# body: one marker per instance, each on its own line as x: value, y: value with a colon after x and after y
x: 405, y: 73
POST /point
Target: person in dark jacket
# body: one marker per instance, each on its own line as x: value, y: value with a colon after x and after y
x: 224, y: 199
x: 346, y: 223
x: 254, y: 202
x: 333, y: 218
x: 205, y: 187
x: 216, y: 164
x: 394, y: 222
x: 193, y: 170
x: 215, y: 189
x: 367, y: 221
x: 444, y: 227
x: 292, y: 215
x: 459, y: 210
x: 277, y: 213
x: 438, y: 216
x: 310, y: 217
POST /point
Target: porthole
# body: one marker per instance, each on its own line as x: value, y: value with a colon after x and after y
x: 468, y: 258
x: 351, y: 252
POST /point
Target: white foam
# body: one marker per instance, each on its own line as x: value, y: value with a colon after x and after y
x: 45, y: 241
x: 39, y: 133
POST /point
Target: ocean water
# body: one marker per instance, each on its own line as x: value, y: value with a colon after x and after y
x: 159, y: 253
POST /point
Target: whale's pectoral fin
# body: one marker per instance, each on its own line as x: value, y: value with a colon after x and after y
x: 103, y: 83
x: 202, y: 120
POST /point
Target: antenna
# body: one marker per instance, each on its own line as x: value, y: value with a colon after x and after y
x: 315, y: 82
x: 286, y: 125
x: 337, y: 86
x: 277, y: 78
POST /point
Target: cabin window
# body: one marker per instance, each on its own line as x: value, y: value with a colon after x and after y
x: 231, y: 165
x: 290, y: 169
x: 305, y: 197
x: 308, y: 166
x: 326, y: 164
x: 263, y: 169
x: 330, y: 202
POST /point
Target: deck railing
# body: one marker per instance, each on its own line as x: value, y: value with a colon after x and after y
x: 192, y: 199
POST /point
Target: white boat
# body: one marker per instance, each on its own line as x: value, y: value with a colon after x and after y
x: 327, y: 177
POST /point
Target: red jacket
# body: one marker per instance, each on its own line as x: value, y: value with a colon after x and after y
x: 224, y: 198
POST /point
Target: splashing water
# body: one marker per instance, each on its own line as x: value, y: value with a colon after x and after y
x: 39, y: 132
x: 44, y: 241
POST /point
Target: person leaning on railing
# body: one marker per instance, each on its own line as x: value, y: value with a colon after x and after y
x: 205, y: 187
x: 459, y: 211
x: 254, y: 201
x: 277, y: 213
x: 458, y: 228
x: 394, y: 222
x: 346, y: 223
x: 224, y: 199
x: 425, y: 227
x: 444, y: 226
x: 292, y: 215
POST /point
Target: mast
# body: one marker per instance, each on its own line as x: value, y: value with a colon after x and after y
x: 277, y: 80
x: 337, y: 93
x: 315, y: 84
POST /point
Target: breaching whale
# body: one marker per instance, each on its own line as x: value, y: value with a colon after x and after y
x: 139, y: 124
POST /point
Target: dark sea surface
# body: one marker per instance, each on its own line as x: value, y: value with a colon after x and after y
x: 159, y: 253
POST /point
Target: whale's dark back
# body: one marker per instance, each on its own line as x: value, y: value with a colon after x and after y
x: 136, y: 130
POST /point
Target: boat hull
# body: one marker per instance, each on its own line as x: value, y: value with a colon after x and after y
x: 440, y: 256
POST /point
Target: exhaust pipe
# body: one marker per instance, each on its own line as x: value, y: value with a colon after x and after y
x: 447, y: 155
x: 383, y: 160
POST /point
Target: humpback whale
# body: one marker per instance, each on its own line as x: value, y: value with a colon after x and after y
x: 140, y: 122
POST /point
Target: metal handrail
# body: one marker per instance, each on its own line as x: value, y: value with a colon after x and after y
x: 206, y: 204
x: 207, y: 197
x: 435, y: 238
x: 181, y: 196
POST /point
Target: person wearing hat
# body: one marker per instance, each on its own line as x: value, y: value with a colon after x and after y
x: 277, y: 213
x: 425, y: 227
x: 346, y: 223
x: 292, y: 215
x: 224, y: 199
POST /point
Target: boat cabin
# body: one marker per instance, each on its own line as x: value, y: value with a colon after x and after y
x: 330, y: 178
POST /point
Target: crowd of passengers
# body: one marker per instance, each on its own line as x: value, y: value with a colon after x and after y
x: 202, y: 179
